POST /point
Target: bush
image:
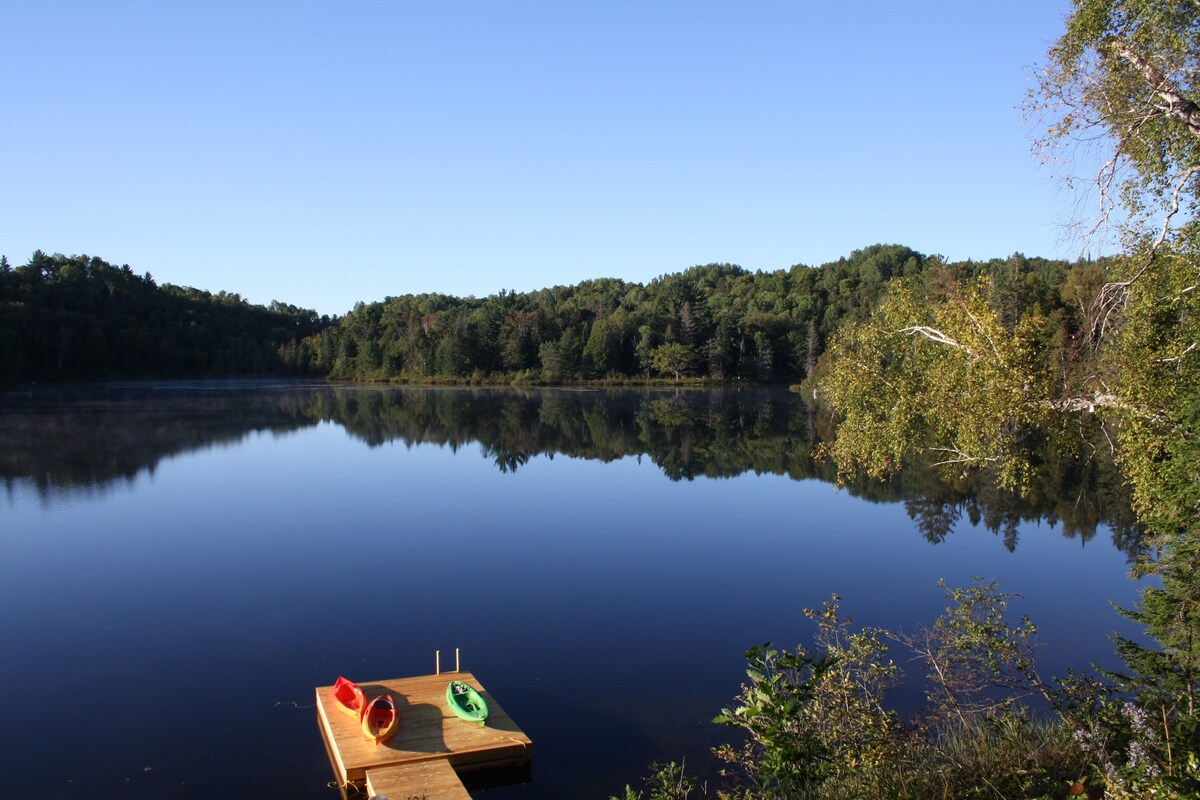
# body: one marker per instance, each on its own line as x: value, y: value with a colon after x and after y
x: 815, y: 724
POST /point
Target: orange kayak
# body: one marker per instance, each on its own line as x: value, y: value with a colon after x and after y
x: 380, y: 719
x: 349, y: 697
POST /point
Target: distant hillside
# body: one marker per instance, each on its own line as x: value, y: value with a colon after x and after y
x: 718, y: 322
x: 70, y: 318
x: 78, y: 317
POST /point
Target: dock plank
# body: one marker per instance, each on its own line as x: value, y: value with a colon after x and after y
x: 431, y: 780
x: 428, y: 730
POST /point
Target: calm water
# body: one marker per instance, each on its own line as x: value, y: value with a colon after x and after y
x: 180, y: 564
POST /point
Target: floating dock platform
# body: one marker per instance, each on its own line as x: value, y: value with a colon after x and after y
x: 431, y: 746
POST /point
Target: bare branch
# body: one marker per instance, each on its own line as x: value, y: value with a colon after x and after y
x: 963, y: 458
x: 935, y: 335
x: 874, y: 373
x: 986, y: 335
x: 1114, y: 295
x: 1178, y: 358
x: 1172, y: 103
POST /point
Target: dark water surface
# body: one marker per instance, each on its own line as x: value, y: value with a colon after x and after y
x: 180, y: 564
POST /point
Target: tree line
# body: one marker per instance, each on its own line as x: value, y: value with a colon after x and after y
x: 79, y: 317
x: 717, y: 322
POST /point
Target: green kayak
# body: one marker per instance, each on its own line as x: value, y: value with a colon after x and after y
x: 466, y: 702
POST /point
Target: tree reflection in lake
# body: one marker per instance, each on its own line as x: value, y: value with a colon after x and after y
x: 94, y: 438
x: 166, y: 536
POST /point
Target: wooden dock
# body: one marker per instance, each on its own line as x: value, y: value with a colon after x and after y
x: 431, y: 746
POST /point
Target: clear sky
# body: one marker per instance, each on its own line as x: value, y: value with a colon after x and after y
x: 322, y: 153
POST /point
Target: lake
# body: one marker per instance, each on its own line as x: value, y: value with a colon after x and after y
x: 181, y: 563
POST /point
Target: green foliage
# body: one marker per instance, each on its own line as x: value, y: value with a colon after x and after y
x: 1158, y: 377
x: 900, y: 400
x: 715, y: 322
x: 666, y: 782
x: 783, y: 753
x: 602, y: 353
x: 1125, y: 71
x: 66, y: 318
x: 936, y: 377
x: 1139, y: 748
x: 971, y: 651
x: 80, y: 317
x: 674, y: 358
x: 815, y: 723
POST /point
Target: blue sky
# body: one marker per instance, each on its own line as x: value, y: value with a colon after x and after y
x: 326, y: 153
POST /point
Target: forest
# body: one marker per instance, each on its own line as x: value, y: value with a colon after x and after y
x: 78, y: 317
x: 716, y: 323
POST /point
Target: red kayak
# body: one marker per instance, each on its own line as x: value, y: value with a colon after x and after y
x: 349, y: 697
x: 380, y: 719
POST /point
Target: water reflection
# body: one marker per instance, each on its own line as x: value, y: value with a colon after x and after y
x: 230, y: 527
x: 95, y: 439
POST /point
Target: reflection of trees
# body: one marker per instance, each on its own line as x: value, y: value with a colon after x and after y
x: 506, y: 460
x: 1080, y: 494
x: 934, y: 516
x: 63, y: 438
x: 108, y: 434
